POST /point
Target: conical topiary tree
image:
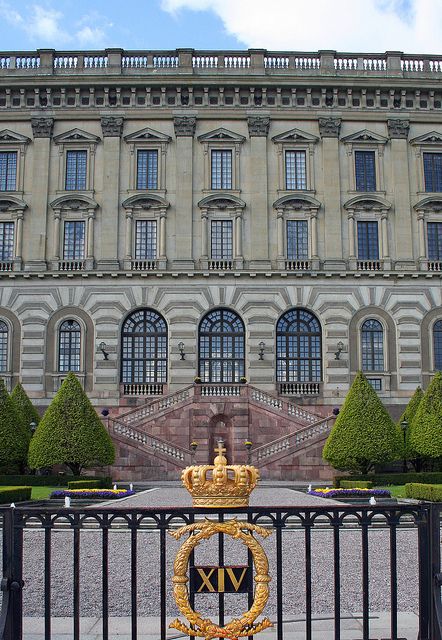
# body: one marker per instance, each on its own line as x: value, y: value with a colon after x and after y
x: 426, y: 428
x: 24, y: 407
x: 71, y: 432
x: 407, y: 452
x: 14, y: 439
x: 363, y: 434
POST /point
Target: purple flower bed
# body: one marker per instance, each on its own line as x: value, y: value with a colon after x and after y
x: 100, y: 494
x: 355, y: 493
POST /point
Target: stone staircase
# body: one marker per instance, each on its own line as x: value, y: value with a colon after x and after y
x: 154, y: 439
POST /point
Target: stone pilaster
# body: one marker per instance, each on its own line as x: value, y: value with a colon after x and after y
x: 112, y: 128
x: 259, y: 209
x: 329, y: 129
x: 184, y: 131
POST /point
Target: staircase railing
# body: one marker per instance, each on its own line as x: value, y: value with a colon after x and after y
x: 282, y: 405
x: 180, y: 456
x: 154, y: 406
x: 287, y: 442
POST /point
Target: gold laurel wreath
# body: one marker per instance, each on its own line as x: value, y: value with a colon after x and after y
x: 204, y: 627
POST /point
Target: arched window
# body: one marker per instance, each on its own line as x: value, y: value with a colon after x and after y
x: 221, y: 347
x: 144, y: 348
x: 372, y: 346
x: 298, y: 347
x: 437, y: 345
x: 69, y: 346
x: 4, y: 335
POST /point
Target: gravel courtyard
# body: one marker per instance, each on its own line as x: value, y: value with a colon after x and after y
x: 148, y: 565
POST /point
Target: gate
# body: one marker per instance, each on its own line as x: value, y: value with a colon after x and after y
x: 109, y: 561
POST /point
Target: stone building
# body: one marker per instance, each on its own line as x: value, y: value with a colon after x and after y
x: 267, y: 223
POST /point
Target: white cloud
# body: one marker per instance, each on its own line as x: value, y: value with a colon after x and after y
x: 45, y: 26
x: 345, y: 25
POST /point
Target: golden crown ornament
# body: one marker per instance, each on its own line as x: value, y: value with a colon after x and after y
x: 220, y: 484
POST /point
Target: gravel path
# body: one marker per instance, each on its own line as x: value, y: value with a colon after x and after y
x: 148, y: 565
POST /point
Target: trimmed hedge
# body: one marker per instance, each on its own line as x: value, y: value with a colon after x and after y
x: 383, y: 479
x: 14, y: 494
x: 97, y: 483
x: 45, y: 481
x: 356, y: 484
x: 430, y: 492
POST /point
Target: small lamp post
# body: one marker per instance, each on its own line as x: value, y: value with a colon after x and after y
x: 193, y: 448
x: 32, y: 426
x: 181, y: 350
x: 102, y: 347
x: 340, y: 346
x: 248, y: 445
x: 261, y: 346
x: 404, y: 426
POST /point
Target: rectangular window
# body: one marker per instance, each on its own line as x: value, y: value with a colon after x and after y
x: 8, y: 171
x: 6, y: 241
x: 376, y: 383
x: 365, y: 170
x: 368, y: 244
x: 147, y: 169
x: 73, y: 244
x: 146, y: 240
x: 434, y: 237
x: 295, y: 170
x: 76, y: 167
x: 433, y: 171
x: 221, y: 169
x: 297, y: 240
x: 222, y: 235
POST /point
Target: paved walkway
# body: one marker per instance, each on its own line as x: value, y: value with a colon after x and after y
x: 294, y: 628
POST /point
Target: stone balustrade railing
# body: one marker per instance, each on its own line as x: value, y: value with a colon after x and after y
x: 252, y: 61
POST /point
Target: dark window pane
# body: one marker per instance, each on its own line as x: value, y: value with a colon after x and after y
x: 298, y: 347
x: 433, y: 171
x: 221, y: 240
x: 8, y: 171
x: 434, y: 238
x: 297, y: 239
x: 144, y: 348
x: 147, y: 169
x: 146, y: 240
x: 3, y: 346
x: 372, y: 346
x: 76, y: 166
x: 437, y: 345
x: 221, y: 347
x: 221, y: 169
x: 365, y: 170
x: 73, y: 244
x: 295, y: 170
x: 6, y: 241
x: 368, y: 244
x: 69, y: 347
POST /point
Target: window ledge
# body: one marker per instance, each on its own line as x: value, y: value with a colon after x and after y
x: 231, y: 192
x: 367, y: 193
x: 295, y: 192
x: 146, y: 192
x: 89, y: 193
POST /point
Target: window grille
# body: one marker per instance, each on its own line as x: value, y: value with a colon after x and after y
x: 69, y: 347
x: 76, y: 166
x: 298, y: 347
x: 434, y: 239
x: 295, y: 170
x: 74, y: 238
x: 221, y: 169
x: 221, y: 240
x: 4, y: 335
x: 365, y: 170
x: 221, y: 347
x: 297, y: 240
x: 368, y: 241
x: 147, y: 169
x: 372, y: 341
x: 8, y: 170
x: 433, y: 171
x: 145, y: 240
x: 144, y: 348
x: 437, y: 345
x: 6, y: 241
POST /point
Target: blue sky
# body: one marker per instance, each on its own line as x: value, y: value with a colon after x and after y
x: 346, y: 25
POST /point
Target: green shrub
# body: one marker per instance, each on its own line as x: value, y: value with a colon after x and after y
x: 356, y: 484
x: 14, y: 494
x: 407, y: 451
x: 384, y: 479
x: 24, y: 407
x: 363, y: 434
x: 14, y: 438
x: 71, y: 432
x: 97, y: 483
x: 430, y: 492
x: 425, y: 432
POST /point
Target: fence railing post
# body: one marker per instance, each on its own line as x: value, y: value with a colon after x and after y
x: 11, y: 618
x: 435, y: 573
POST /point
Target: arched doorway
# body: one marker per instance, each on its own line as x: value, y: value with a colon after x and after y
x: 219, y: 428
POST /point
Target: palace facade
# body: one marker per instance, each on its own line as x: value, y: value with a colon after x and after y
x: 215, y: 242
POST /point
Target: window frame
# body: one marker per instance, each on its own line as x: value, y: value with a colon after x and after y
x: 80, y: 350
x: 223, y: 153
x: 286, y: 357
x: 432, y: 152
x: 222, y: 222
x: 221, y: 360
x: 76, y: 175
x: 307, y: 223
x: 9, y: 330
x: 296, y: 140
x: 76, y: 140
x: 137, y: 222
x: 144, y: 335
x: 10, y: 153
x: 433, y: 345
x: 430, y: 142
x: 63, y: 244
x: 365, y: 153
x: 367, y: 222
x: 147, y: 139
x: 295, y: 151
x: 365, y: 141
x: 371, y: 332
x: 222, y: 140
x: 157, y: 171
x: 11, y: 142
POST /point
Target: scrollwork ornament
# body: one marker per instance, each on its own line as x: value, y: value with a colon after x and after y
x: 204, y: 627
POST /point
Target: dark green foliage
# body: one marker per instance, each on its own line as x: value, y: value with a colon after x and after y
x: 97, y: 483
x: 430, y: 492
x: 24, y: 407
x: 425, y: 431
x: 14, y: 494
x: 363, y: 434
x: 47, y: 481
x: 356, y: 484
x: 384, y: 479
x: 407, y: 452
x: 14, y: 438
x: 71, y: 432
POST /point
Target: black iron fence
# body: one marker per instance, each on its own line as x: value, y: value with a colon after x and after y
x: 112, y: 561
